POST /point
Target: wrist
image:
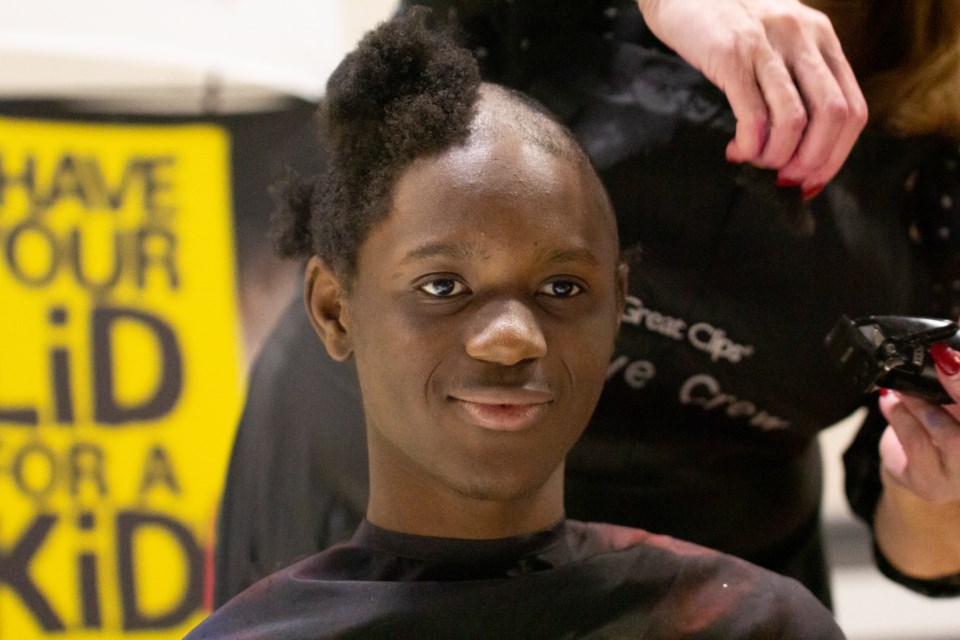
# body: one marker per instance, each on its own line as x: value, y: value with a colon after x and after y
x: 918, y: 537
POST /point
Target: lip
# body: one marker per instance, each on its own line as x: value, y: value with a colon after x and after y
x: 501, y: 409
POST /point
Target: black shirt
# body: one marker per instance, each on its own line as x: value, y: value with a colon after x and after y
x: 573, y: 581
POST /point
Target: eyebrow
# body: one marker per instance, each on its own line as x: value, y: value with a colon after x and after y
x: 442, y: 250
x: 581, y: 256
x: 466, y: 251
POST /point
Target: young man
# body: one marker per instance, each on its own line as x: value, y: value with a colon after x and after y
x: 465, y: 255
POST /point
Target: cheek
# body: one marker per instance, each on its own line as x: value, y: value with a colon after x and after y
x: 603, y: 330
x: 592, y: 350
x: 374, y: 336
x: 400, y: 352
x: 587, y: 356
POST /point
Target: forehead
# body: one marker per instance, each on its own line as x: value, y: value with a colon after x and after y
x: 502, y: 184
x: 493, y: 165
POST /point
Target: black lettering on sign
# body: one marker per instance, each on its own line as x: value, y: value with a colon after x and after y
x: 26, y: 416
x: 134, y: 618
x: 65, y: 183
x: 14, y: 571
x: 87, y: 281
x: 35, y: 254
x: 37, y: 470
x: 16, y: 562
x: 149, y: 253
x: 32, y: 233
x: 60, y: 368
x: 107, y: 409
x: 81, y: 179
x: 158, y: 469
x: 155, y: 185
x: 85, y: 462
x: 26, y: 179
x: 35, y: 455
x: 88, y: 577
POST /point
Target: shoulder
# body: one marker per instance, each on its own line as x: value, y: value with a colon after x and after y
x: 699, y: 592
x: 290, y: 603
x: 603, y: 537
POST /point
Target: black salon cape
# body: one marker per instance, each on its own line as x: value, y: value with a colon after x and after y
x: 707, y: 426
x: 573, y: 581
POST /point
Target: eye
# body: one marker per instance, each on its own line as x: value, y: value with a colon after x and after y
x: 443, y: 287
x: 560, y: 289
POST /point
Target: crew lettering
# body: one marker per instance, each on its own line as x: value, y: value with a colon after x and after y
x: 636, y: 374
x: 704, y: 391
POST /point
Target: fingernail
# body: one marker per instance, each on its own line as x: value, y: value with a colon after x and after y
x: 809, y: 193
x: 884, y: 391
x: 787, y: 182
x: 946, y: 358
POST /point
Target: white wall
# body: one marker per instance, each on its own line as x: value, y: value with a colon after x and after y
x: 140, y: 52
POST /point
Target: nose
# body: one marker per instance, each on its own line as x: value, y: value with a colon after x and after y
x: 506, y: 332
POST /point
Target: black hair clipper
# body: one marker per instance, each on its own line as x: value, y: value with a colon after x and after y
x: 891, y: 352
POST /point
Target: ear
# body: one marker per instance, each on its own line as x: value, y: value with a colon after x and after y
x: 324, y: 296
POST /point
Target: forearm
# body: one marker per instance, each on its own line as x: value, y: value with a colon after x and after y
x: 920, y: 539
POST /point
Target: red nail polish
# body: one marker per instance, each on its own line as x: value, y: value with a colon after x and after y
x: 946, y: 358
x: 884, y: 391
x: 809, y: 193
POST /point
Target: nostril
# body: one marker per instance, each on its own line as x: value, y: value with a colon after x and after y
x: 508, y: 339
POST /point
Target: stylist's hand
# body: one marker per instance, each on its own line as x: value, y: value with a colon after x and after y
x: 798, y: 106
x: 920, y: 450
x: 917, y: 519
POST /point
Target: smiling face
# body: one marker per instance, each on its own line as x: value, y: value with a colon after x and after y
x: 482, y: 318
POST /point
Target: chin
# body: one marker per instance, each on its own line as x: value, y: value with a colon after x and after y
x: 501, y: 487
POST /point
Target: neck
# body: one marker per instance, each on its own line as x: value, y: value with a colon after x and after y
x: 406, y: 499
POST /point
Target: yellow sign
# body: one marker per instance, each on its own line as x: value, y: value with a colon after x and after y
x: 120, y: 380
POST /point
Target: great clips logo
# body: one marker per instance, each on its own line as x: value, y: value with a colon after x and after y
x: 701, y: 389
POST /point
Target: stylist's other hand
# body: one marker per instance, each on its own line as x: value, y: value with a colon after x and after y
x: 797, y: 103
x: 917, y: 518
x: 920, y: 450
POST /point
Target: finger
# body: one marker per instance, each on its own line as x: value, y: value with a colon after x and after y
x: 911, y: 432
x: 826, y: 108
x: 788, y: 115
x: 942, y: 429
x: 913, y: 462
x: 750, y: 110
x: 909, y: 454
x: 838, y: 117
x: 887, y: 402
x: 893, y: 457
x: 857, y: 115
